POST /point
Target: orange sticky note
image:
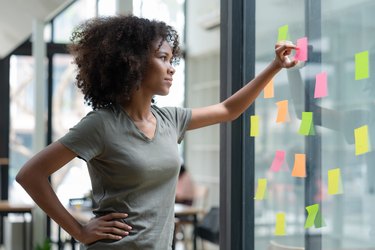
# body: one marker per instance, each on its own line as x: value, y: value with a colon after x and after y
x: 268, y: 90
x: 254, y: 125
x: 282, y: 114
x: 280, y: 224
x: 334, y: 181
x: 362, y: 144
x: 299, y: 168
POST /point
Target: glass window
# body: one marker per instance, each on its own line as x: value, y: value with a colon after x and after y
x: 346, y: 31
x: 65, y: 23
x: 106, y: 7
x: 278, y: 142
x: 343, y: 32
x: 68, y: 108
x: 22, y: 121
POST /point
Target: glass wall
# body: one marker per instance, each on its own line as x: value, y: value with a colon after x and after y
x: 320, y: 191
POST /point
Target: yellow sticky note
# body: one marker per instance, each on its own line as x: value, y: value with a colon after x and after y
x: 254, y: 125
x: 283, y: 33
x: 282, y: 114
x: 269, y: 90
x: 261, y: 190
x: 299, y: 168
x: 280, y: 224
x: 362, y: 144
x: 334, y: 181
x: 307, y: 124
x: 314, y: 217
x: 362, y: 65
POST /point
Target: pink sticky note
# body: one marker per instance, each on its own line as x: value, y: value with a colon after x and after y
x: 278, y: 161
x: 301, y: 52
x: 321, y: 85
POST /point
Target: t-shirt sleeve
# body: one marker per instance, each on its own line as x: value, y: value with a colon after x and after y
x: 181, y: 117
x: 86, y: 137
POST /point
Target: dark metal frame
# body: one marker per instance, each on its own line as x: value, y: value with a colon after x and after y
x: 236, y: 147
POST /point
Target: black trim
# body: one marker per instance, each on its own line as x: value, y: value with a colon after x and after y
x: 4, y: 125
x: 236, y: 167
x: 4, y: 133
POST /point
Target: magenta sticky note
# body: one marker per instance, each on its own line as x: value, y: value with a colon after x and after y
x: 301, y: 51
x: 321, y: 85
x: 278, y: 161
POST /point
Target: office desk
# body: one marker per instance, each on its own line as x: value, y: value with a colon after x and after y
x: 181, y: 212
x: 10, y: 208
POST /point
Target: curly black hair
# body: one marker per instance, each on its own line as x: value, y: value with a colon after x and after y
x: 112, y: 54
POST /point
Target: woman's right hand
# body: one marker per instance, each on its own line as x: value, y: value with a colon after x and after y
x: 107, y: 227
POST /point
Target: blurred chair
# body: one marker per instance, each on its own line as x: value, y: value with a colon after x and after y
x: 185, y: 226
x: 276, y: 246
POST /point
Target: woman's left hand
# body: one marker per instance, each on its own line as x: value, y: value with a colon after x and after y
x: 282, y: 50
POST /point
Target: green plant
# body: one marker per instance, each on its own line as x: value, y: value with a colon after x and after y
x: 46, y: 245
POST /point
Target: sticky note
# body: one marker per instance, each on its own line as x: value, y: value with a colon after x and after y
x: 334, y: 181
x: 254, y: 125
x: 362, y: 65
x: 280, y: 224
x: 283, y: 33
x: 362, y: 144
x: 278, y: 161
x: 299, y: 168
x: 282, y: 114
x: 268, y: 90
x: 314, y: 217
x: 307, y: 125
x: 301, y: 51
x: 320, y: 85
x: 261, y: 190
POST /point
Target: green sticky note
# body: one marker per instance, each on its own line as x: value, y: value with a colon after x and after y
x: 312, y: 211
x: 280, y: 224
x: 319, y: 222
x: 362, y: 144
x: 314, y: 217
x: 334, y: 181
x: 362, y: 65
x: 261, y: 190
x: 307, y: 125
x: 283, y: 33
x: 254, y: 125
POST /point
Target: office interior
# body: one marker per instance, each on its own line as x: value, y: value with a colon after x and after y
x: 225, y: 43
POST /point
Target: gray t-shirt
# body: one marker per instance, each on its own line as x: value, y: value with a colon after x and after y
x: 131, y: 173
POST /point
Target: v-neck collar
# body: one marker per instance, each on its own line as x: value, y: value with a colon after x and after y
x: 145, y: 137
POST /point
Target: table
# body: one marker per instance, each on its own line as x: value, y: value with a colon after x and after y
x: 181, y: 211
x: 7, y: 207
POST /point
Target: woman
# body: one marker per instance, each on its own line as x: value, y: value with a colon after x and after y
x: 129, y: 144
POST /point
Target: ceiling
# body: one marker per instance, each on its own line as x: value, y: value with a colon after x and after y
x: 16, y: 18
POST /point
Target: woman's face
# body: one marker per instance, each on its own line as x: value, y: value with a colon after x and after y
x: 159, y: 72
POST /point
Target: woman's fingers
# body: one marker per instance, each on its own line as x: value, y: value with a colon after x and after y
x: 111, y: 226
x: 283, y: 49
